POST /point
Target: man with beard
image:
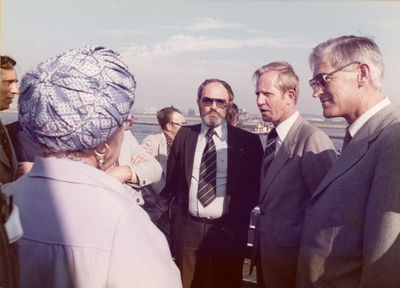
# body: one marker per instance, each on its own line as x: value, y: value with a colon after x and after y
x: 213, y: 173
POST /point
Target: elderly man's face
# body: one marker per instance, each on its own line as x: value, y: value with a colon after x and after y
x: 214, y: 115
x: 9, y: 88
x: 339, y: 97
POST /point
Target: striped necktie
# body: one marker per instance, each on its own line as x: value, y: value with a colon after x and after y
x: 208, y: 172
x: 269, y: 150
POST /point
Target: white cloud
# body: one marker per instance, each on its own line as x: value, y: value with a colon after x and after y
x: 119, y: 32
x: 204, y: 24
x: 184, y: 43
x: 227, y: 63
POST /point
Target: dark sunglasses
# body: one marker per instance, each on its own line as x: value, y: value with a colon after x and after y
x: 320, y: 79
x: 180, y: 124
x: 221, y: 103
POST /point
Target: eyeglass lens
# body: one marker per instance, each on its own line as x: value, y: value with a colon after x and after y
x: 221, y: 103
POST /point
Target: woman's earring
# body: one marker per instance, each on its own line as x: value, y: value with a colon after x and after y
x: 102, y: 155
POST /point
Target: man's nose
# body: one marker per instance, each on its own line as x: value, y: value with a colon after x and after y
x: 260, y: 100
x: 14, y: 88
x: 318, y: 91
x: 214, y: 105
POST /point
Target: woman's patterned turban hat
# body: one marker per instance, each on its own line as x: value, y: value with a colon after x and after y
x: 76, y: 100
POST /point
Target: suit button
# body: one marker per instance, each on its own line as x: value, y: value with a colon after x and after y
x: 186, y: 222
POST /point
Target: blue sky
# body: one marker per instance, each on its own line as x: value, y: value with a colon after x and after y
x: 173, y: 46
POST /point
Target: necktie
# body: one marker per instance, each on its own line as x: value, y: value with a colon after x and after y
x: 208, y: 172
x: 270, y: 150
x: 5, y: 144
x: 346, y: 139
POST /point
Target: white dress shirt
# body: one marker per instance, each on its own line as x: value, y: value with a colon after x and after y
x: 283, y: 129
x: 217, y: 207
x: 356, y: 125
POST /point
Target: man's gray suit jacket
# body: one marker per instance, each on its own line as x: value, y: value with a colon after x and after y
x: 352, y: 225
x: 303, y: 160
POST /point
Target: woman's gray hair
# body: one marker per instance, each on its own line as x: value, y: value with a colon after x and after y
x: 346, y: 49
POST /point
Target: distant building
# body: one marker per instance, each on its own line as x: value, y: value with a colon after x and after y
x: 149, y: 110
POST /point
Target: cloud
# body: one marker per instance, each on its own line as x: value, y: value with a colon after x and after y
x: 185, y: 44
x: 119, y: 32
x: 204, y: 24
x: 220, y: 62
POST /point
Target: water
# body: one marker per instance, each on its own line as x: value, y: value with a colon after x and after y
x: 142, y: 130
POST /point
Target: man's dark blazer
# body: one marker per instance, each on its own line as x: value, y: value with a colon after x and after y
x: 25, y: 148
x: 242, y: 190
x: 7, y: 169
x: 351, y: 235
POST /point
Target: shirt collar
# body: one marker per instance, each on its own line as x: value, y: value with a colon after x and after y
x: 356, y: 125
x: 221, y: 131
x: 283, y: 129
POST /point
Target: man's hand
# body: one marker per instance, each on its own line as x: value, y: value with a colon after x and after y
x: 23, y: 168
x: 121, y: 173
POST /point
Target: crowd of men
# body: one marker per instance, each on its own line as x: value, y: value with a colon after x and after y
x: 326, y: 220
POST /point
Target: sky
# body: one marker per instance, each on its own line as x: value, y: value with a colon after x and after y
x: 171, y: 47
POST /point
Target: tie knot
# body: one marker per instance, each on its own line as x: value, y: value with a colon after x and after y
x: 347, y: 136
x: 272, y: 134
x: 210, y: 133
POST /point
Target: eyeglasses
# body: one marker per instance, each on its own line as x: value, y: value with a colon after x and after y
x: 221, y: 103
x: 180, y: 124
x: 320, y: 79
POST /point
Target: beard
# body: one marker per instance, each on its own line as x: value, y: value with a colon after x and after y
x: 211, y: 121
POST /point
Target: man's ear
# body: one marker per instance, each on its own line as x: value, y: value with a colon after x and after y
x: 230, y: 104
x: 364, y: 75
x: 291, y: 96
x: 168, y: 127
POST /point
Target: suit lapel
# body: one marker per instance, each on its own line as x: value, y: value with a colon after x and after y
x: 284, y: 154
x: 189, y: 147
x: 3, y: 156
x: 359, y: 145
x: 235, y: 154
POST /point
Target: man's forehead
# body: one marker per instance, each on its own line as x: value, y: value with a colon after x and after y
x: 8, y: 75
x: 323, y: 65
x: 267, y: 79
x: 215, y: 90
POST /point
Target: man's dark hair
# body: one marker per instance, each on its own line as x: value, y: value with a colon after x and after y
x: 7, y: 63
x: 208, y: 81
x: 232, y: 114
x: 164, y: 116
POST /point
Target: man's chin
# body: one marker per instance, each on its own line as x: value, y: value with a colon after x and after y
x: 212, y: 121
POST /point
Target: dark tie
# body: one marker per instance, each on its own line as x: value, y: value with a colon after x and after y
x: 5, y: 144
x: 346, y: 139
x: 208, y: 172
x: 270, y: 150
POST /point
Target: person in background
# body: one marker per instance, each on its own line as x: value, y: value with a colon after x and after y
x: 135, y: 168
x: 297, y: 157
x: 81, y: 227
x: 233, y: 114
x: 159, y: 145
x: 213, y: 173
x: 10, y: 229
x: 351, y: 235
